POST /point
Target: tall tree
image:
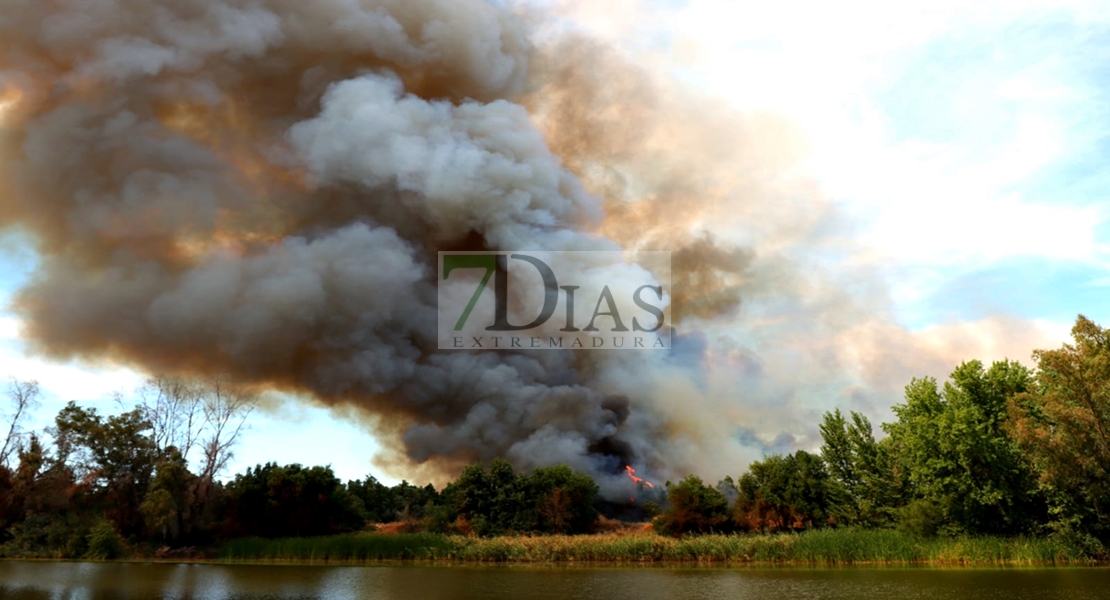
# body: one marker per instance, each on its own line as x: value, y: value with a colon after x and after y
x: 225, y: 408
x: 955, y: 446
x: 204, y: 414
x: 190, y: 416
x: 1063, y: 426
x: 169, y: 502
x: 866, y: 486
x: 172, y: 406
x: 115, y: 454
x: 23, y: 395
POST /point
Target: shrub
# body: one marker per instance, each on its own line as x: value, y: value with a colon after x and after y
x: 104, y: 542
x: 921, y: 517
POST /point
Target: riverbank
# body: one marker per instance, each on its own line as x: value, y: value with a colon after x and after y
x: 816, y: 547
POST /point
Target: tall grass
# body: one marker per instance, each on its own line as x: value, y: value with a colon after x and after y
x: 817, y: 547
x: 340, y: 548
x: 885, y: 546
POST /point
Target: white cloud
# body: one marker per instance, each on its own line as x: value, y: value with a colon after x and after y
x: 935, y: 201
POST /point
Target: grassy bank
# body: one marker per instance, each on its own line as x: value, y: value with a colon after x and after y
x: 819, y: 547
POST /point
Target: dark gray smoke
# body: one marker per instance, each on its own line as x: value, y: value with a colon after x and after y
x: 259, y: 190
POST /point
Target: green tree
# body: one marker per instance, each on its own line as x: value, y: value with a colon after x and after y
x: 562, y: 500
x: 492, y: 501
x: 865, y: 486
x: 1062, y: 424
x: 411, y: 501
x: 51, y: 515
x: 376, y: 497
x: 783, y: 492
x: 170, y: 501
x: 292, y: 500
x: 957, y: 453
x: 692, y: 506
x: 115, y: 454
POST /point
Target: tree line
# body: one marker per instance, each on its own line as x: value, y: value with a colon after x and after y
x: 999, y: 450
x: 96, y: 485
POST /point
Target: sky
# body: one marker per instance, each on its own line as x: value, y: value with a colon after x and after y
x: 968, y: 148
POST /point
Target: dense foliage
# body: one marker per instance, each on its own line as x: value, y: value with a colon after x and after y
x: 496, y: 500
x: 693, y: 507
x: 276, y: 501
x: 784, y: 492
x: 993, y: 451
x: 1003, y: 450
x: 1062, y: 427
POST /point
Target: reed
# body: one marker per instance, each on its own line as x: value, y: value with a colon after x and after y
x: 847, y: 546
x: 340, y: 548
x: 817, y: 547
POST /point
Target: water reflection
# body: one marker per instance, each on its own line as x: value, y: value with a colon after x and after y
x: 134, y: 581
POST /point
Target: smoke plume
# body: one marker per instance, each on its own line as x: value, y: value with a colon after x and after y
x: 259, y: 189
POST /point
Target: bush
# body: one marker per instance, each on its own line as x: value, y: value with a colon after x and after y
x: 1079, y: 543
x: 921, y: 517
x: 44, y: 535
x: 104, y: 542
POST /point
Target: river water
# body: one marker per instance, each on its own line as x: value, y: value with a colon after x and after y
x: 21, y: 580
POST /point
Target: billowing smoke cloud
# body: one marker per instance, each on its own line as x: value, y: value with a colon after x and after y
x: 259, y: 189
x: 783, y: 314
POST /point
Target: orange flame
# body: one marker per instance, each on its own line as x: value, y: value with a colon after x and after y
x: 639, y: 480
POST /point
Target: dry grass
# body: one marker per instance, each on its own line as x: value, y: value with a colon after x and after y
x: 607, y: 525
x: 393, y: 528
